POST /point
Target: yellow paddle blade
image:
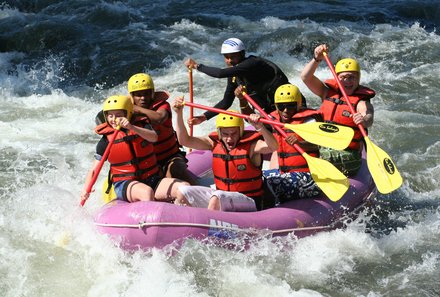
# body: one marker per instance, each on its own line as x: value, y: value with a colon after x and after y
x: 329, y: 179
x: 334, y: 136
x: 382, y: 168
x: 110, y: 196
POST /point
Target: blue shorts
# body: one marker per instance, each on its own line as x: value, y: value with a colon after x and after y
x: 122, y: 186
x: 291, y: 185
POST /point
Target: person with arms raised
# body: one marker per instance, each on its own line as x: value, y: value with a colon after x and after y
x: 335, y: 108
x: 237, y: 161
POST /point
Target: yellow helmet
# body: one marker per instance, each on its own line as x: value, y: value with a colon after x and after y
x: 118, y: 102
x: 288, y: 93
x: 347, y: 64
x: 140, y: 82
x: 227, y: 121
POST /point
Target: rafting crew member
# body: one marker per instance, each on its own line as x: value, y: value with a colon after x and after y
x: 259, y: 77
x: 335, y: 109
x: 291, y: 179
x: 133, y: 165
x: 155, y: 107
x: 237, y: 162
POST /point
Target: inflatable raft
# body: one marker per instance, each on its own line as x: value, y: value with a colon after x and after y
x: 145, y: 225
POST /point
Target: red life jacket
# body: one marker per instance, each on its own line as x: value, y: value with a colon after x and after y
x: 131, y: 157
x: 289, y: 159
x: 166, y: 144
x: 234, y: 170
x: 335, y: 109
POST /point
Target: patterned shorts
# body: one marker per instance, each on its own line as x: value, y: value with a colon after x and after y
x: 347, y: 161
x: 291, y: 185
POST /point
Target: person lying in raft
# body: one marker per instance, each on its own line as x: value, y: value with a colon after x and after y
x: 335, y: 109
x: 291, y: 179
x: 236, y: 163
x: 133, y: 165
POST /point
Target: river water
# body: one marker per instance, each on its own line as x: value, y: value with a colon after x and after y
x: 60, y: 59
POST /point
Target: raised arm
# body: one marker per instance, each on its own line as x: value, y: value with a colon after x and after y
x: 269, y: 144
x: 199, y: 143
x: 308, y: 74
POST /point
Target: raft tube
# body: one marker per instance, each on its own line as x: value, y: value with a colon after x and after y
x: 146, y: 225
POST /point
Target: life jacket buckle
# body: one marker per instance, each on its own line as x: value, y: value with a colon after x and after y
x: 227, y: 181
x: 227, y: 157
x: 338, y: 101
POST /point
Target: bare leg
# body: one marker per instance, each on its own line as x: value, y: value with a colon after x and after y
x: 274, y: 161
x: 167, y: 190
x: 137, y: 191
x: 177, y: 168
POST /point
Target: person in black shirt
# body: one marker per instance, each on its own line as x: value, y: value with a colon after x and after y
x: 257, y: 76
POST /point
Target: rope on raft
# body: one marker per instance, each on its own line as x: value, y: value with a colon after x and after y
x: 245, y: 230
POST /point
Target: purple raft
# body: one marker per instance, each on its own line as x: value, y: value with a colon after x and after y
x: 145, y: 225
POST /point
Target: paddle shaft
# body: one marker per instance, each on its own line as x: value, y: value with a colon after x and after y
x: 240, y: 115
x: 191, y: 98
x: 341, y: 87
x: 319, y: 168
x: 329, y: 179
x: 266, y: 116
x: 99, y: 167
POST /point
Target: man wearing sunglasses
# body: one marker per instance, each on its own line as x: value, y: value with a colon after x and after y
x: 292, y: 179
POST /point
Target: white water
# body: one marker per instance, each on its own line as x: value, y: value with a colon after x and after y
x: 49, y: 246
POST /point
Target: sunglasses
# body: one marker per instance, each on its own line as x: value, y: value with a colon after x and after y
x: 283, y: 106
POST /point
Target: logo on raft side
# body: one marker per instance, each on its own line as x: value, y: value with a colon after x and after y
x: 329, y: 128
x: 217, y: 231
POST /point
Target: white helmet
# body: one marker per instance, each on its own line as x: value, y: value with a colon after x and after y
x: 232, y: 45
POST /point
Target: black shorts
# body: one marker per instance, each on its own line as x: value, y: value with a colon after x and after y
x: 151, y: 181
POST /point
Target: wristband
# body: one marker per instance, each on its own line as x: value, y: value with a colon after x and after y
x: 316, y: 60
